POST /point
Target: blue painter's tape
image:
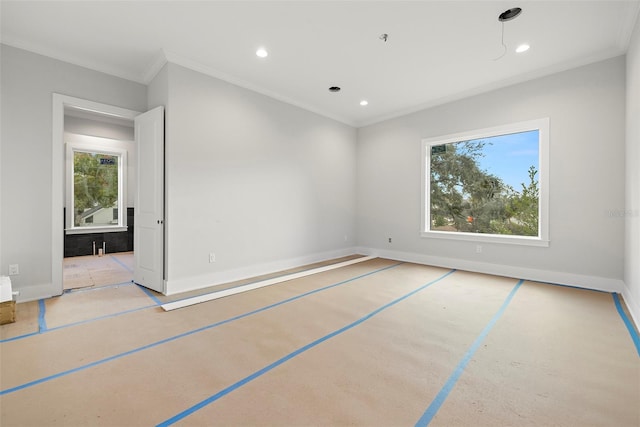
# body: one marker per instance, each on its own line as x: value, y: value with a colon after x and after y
x: 126, y: 267
x: 106, y: 316
x: 291, y: 355
x: 627, y: 322
x: 42, y: 322
x: 19, y: 337
x: 150, y: 295
x: 188, y: 333
x: 437, y: 402
x: 68, y: 325
x: 569, y: 286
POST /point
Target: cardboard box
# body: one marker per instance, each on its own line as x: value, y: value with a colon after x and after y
x: 7, y: 312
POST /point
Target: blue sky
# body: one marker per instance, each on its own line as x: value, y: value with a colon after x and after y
x: 510, y: 156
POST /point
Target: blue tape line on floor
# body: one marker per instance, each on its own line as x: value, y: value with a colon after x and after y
x: 437, y: 402
x: 42, y: 322
x: 126, y: 267
x: 293, y: 354
x: 67, y: 325
x: 80, y: 322
x: 580, y: 288
x: 189, y: 333
x: 106, y: 316
x: 627, y: 322
x: 150, y: 295
x: 19, y: 337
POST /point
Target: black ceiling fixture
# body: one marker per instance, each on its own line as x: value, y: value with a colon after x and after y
x: 334, y: 89
x: 505, y: 16
x: 509, y: 14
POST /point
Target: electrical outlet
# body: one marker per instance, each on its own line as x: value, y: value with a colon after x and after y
x: 14, y: 269
x: 478, y: 249
x: 212, y: 257
x: 389, y: 239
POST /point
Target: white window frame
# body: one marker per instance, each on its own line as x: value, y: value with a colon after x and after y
x: 101, y: 146
x: 542, y: 239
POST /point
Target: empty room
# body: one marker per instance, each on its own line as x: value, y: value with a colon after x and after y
x: 292, y: 213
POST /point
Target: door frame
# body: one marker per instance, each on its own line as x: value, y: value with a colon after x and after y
x: 58, y: 174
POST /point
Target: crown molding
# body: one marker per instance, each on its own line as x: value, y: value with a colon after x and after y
x: 71, y: 59
x: 154, y: 67
x: 631, y: 19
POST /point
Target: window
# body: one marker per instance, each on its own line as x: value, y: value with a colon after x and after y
x: 96, y: 183
x: 488, y: 185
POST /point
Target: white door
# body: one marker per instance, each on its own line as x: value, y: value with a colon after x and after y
x: 148, y: 226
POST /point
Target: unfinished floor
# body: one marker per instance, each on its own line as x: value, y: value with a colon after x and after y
x: 377, y: 343
x: 91, y: 270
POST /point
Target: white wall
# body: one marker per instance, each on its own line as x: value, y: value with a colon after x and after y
x: 84, y: 126
x: 632, y: 212
x: 262, y: 184
x: 266, y: 185
x: 586, y: 108
x: 158, y: 90
x: 28, y: 82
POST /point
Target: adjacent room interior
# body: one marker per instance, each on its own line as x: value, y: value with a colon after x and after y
x: 419, y: 213
x: 98, y: 220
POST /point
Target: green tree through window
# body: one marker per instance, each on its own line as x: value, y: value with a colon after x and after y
x: 95, y: 185
x: 485, y: 185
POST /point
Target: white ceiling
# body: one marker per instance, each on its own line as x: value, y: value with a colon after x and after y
x: 436, y: 51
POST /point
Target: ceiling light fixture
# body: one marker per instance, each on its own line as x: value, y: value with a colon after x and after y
x: 522, y: 48
x: 262, y: 53
x: 334, y: 89
x: 364, y: 102
x: 507, y: 15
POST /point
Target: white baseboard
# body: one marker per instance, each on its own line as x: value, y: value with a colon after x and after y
x: 260, y: 284
x: 556, y: 277
x: 34, y: 293
x: 176, y: 286
x: 633, y: 305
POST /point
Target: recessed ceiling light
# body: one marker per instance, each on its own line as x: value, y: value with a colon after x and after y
x: 522, y: 48
x: 262, y: 53
x: 364, y: 102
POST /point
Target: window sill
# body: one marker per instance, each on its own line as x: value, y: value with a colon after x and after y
x: 487, y: 238
x: 88, y: 230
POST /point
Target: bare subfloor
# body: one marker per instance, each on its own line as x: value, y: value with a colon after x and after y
x: 378, y: 343
x: 87, y: 271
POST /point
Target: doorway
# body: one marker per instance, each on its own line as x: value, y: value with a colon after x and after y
x: 149, y: 256
x: 99, y: 198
